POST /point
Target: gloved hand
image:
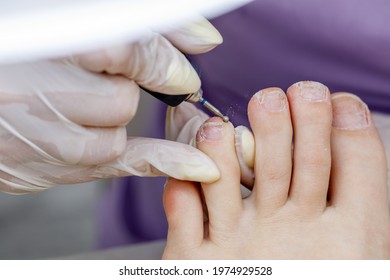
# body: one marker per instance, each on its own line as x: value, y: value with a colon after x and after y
x: 63, y: 121
x: 183, y: 122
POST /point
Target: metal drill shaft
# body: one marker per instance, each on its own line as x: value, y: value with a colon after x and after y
x: 213, y: 110
x: 198, y: 97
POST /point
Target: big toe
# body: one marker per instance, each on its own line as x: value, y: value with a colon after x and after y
x: 359, y: 168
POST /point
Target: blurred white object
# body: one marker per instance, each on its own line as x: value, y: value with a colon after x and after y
x: 43, y: 28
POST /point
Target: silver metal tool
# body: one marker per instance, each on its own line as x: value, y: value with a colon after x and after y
x: 174, y: 100
x: 198, y: 97
x: 195, y: 97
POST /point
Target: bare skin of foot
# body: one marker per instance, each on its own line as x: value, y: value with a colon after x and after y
x: 325, y: 198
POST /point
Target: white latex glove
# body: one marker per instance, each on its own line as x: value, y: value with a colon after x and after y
x: 63, y: 121
x: 183, y: 122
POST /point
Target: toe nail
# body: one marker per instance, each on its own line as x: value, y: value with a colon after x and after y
x: 311, y: 91
x: 273, y: 101
x: 349, y: 112
x: 211, y: 131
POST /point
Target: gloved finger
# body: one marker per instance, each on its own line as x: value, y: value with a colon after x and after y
x: 71, y: 144
x: 152, y: 62
x: 51, y: 134
x: 182, y: 123
x: 104, y: 145
x: 245, y: 150
x: 29, y: 168
x: 86, y: 106
x: 49, y: 88
x: 142, y: 157
x: 195, y: 37
x: 147, y: 157
x: 14, y: 185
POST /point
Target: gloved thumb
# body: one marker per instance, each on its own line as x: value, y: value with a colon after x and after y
x: 148, y: 157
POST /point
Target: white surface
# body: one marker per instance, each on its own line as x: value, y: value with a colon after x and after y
x: 43, y: 28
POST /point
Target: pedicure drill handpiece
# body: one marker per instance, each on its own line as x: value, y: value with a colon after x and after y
x: 174, y: 100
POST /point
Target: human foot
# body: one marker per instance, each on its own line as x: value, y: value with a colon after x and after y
x: 324, y: 199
